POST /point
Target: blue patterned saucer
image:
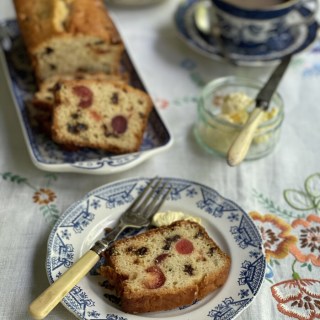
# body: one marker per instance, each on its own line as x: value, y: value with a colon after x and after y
x: 82, y: 224
x: 47, y: 155
x: 267, y: 53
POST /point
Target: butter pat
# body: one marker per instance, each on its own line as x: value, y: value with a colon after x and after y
x: 224, y: 107
x: 168, y: 217
x: 236, y: 108
x: 235, y: 102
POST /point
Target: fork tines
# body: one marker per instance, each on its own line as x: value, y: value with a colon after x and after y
x: 145, y: 203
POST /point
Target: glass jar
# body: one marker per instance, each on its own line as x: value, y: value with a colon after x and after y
x: 215, y: 133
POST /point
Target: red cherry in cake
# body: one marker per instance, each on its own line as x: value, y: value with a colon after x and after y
x: 119, y: 124
x: 184, y: 246
x: 155, y: 278
x: 85, y: 95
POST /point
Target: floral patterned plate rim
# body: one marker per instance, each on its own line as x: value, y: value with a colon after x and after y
x: 84, y: 222
x: 266, y: 54
x: 47, y: 155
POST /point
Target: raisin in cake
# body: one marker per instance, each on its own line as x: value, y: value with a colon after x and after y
x: 100, y: 114
x: 165, y: 268
x: 44, y: 97
x: 68, y: 36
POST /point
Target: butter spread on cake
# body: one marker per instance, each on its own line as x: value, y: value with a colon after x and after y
x: 167, y: 217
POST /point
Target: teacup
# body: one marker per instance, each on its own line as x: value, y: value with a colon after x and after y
x: 252, y: 23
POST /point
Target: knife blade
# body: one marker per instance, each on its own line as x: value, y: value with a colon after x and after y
x: 240, y: 146
x: 264, y: 96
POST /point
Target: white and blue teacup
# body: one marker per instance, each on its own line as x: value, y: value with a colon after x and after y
x: 252, y: 23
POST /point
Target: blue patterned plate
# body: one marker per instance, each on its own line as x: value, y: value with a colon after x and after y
x: 233, y: 230
x: 268, y: 53
x: 47, y: 155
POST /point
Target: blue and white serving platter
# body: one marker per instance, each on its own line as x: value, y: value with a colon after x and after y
x: 47, y: 155
x: 268, y: 53
x: 84, y: 222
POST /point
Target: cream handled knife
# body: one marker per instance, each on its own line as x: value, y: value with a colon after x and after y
x: 241, y: 144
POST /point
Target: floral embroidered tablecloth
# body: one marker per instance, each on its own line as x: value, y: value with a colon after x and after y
x: 281, y: 192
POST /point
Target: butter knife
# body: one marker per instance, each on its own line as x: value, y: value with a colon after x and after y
x: 240, y: 146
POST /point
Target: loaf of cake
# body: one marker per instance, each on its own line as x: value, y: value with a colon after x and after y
x: 44, y: 96
x: 165, y: 268
x: 101, y: 114
x: 69, y: 36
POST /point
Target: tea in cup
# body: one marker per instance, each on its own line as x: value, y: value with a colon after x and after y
x: 251, y: 23
x: 256, y: 4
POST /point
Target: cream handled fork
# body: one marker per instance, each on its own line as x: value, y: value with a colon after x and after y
x: 137, y: 216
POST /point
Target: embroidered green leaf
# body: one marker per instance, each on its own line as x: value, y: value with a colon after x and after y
x: 274, y: 261
x: 317, y: 201
x: 272, y: 208
x: 183, y: 100
x: 298, y: 200
x: 13, y: 177
x: 312, y: 185
x: 44, y: 209
x: 297, y: 62
x: 51, y: 176
x: 197, y: 79
x: 50, y: 212
x: 308, y: 265
x: 54, y: 208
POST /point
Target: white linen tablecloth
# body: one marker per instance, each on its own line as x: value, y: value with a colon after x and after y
x: 174, y: 75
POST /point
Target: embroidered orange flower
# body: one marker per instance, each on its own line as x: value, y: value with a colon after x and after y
x: 44, y: 196
x: 298, y: 298
x: 276, y: 235
x: 308, y: 234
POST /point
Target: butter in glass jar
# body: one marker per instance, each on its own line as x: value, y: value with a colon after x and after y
x: 225, y: 105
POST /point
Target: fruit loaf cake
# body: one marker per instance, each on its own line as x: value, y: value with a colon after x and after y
x: 101, y: 114
x: 68, y: 36
x: 165, y: 268
x: 44, y: 97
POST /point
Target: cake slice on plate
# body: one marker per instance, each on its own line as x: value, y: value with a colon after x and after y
x: 102, y: 114
x: 165, y: 268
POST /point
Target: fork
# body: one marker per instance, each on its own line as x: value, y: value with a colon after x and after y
x: 138, y: 215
